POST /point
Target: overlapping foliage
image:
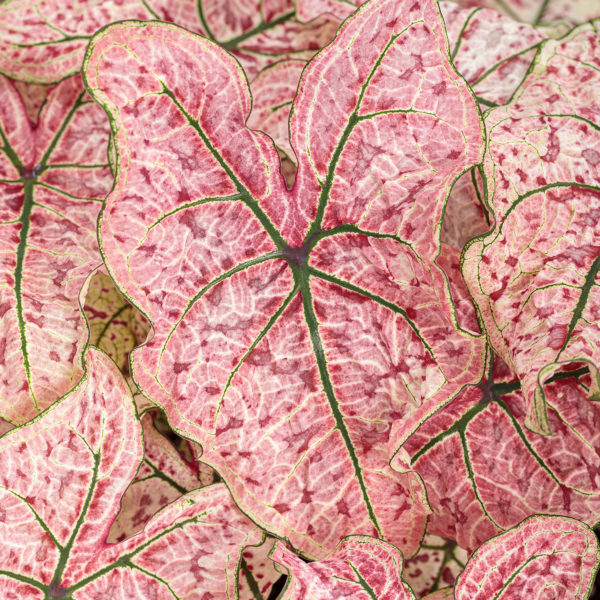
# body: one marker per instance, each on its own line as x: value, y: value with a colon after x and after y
x: 329, y: 333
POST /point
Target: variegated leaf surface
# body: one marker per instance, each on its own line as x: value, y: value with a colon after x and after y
x: 43, y: 41
x: 485, y: 471
x: 114, y: 325
x: 541, y: 11
x: 542, y: 557
x: 491, y: 51
x: 257, y: 573
x: 361, y: 568
x: 261, y: 32
x: 163, y: 476
x: 273, y: 92
x: 61, y: 480
x: 437, y: 565
x: 53, y: 179
x: 298, y: 324
x: 535, y: 276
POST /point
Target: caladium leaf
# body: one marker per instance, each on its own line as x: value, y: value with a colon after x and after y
x: 264, y: 301
x: 273, y: 92
x: 541, y: 170
x: 542, y: 557
x: 44, y: 41
x: 257, y: 573
x: 261, y: 32
x: 361, y: 567
x: 52, y: 179
x: 61, y: 480
x: 491, y: 51
x: 115, y: 326
x: 541, y: 11
x: 485, y: 471
x: 162, y: 477
x: 437, y: 565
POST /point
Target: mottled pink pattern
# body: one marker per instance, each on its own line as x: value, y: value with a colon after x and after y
x: 541, y: 11
x: 360, y: 568
x: 55, y: 513
x: 73, y: 463
x: 256, y: 321
x: 161, y: 478
x: 542, y: 555
x: 538, y: 293
x: 273, y: 91
x: 492, y: 52
x: 43, y: 41
x: 53, y: 182
x: 485, y: 471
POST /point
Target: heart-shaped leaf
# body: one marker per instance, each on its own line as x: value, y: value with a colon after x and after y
x: 542, y: 557
x: 541, y: 169
x: 485, y: 471
x: 361, y: 568
x: 264, y: 302
x: 61, y: 480
x: 53, y: 179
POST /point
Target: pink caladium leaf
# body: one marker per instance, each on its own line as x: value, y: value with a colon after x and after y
x: 273, y: 92
x: 541, y: 11
x: 61, y: 481
x: 542, y: 557
x: 544, y: 192
x: 53, y: 179
x: 43, y: 41
x: 261, y: 32
x: 485, y: 471
x: 491, y: 51
x: 437, y: 565
x: 361, y: 568
x: 264, y: 302
x: 162, y: 477
x: 114, y: 325
x: 257, y: 573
